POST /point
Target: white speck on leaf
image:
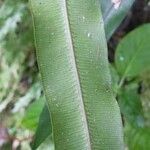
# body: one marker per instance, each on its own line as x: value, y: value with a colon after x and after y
x: 83, y: 18
x: 121, y: 58
x: 89, y: 34
x: 116, y: 3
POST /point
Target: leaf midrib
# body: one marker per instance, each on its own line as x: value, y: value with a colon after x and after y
x: 75, y: 68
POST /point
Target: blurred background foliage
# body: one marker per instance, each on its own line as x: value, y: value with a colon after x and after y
x: 21, y: 96
x: 20, y: 89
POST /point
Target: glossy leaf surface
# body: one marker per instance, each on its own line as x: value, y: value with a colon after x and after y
x: 72, y: 57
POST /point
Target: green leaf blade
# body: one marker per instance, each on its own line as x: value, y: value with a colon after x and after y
x: 131, y: 106
x: 72, y: 55
x: 137, y: 138
x: 44, y: 128
x: 32, y: 115
x: 132, y: 56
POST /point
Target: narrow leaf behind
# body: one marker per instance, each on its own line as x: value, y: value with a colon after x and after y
x: 113, y: 17
x: 44, y: 128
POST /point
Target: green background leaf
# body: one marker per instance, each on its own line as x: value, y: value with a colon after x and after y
x: 48, y: 144
x: 44, y: 128
x: 31, y: 118
x: 137, y: 138
x: 133, y: 52
x: 131, y: 106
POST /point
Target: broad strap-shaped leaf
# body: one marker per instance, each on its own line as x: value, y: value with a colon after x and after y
x: 113, y: 17
x: 72, y: 57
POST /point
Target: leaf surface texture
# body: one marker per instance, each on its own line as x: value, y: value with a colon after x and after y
x: 72, y: 57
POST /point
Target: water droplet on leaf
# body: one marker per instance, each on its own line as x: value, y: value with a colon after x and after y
x: 121, y: 58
